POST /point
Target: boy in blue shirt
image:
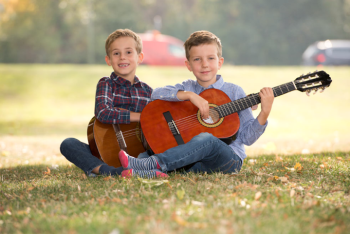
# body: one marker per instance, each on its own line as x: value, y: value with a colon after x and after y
x: 204, y: 152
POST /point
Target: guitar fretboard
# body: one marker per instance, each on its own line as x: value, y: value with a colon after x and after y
x: 251, y: 100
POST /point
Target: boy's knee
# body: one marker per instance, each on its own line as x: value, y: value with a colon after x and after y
x: 66, y: 144
x: 204, y: 136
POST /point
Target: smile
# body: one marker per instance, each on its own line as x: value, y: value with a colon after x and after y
x: 123, y: 65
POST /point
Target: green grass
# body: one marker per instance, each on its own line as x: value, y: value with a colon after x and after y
x: 41, y: 192
x: 58, y: 100
x: 265, y: 197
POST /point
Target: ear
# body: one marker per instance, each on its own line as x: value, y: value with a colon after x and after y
x: 188, y: 65
x: 107, y: 60
x: 221, y: 61
x: 141, y: 56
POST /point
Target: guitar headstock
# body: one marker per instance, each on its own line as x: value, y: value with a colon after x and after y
x: 313, y: 82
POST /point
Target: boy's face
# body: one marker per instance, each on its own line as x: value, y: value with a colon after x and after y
x: 123, y: 57
x: 204, y: 63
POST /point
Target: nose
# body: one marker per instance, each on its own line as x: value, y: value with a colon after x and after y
x: 204, y: 63
x: 122, y: 55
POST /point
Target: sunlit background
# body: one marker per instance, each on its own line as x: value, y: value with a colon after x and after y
x: 52, y: 56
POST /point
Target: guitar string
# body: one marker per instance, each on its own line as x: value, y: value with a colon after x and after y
x: 228, y: 107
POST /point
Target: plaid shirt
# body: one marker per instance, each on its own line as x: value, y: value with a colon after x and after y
x: 114, y: 92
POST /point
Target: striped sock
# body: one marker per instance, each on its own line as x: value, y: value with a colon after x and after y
x: 129, y: 162
x: 143, y: 173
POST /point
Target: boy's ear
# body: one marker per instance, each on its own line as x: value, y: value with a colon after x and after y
x: 107, y: 60
x: 221, y: 61
x: 188, y: 65
x: 141, y: 56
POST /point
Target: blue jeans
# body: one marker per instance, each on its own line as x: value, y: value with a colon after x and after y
x: 80, y: 155
x: 203, y: 153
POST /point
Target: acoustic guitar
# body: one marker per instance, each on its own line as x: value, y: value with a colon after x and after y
x: 168, y: 124
x: 106, y: 140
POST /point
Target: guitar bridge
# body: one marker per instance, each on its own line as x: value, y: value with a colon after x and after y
x: 173, y: 128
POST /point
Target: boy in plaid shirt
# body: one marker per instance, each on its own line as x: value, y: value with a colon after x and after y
x: 120, y: 98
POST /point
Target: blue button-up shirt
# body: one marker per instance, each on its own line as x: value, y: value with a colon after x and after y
x: 249, y: 130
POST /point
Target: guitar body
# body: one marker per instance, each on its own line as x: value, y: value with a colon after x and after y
x: 103, y: 141
x: 188, y: 123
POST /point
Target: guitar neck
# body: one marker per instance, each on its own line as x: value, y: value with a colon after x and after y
x: 251, y: 100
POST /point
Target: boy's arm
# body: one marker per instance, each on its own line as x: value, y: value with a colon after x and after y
x: 104, y: 109
x: 182, y: 92
x: 196, y: 100
x: 252, y: 128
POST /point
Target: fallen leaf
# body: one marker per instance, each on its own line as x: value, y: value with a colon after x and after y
x: 117, y: 200
x: 290, y: 169
x: 292, y: 193
x: 340, y: 158
x: 298, y: 167
x: 47, y: 172
x: 197, y: 203
x: 152, y: 183
x: 257, y: 195
x: 252, y: 161
x: 30, y: 189
x: 283, y: 179
x: 179, y: 220
x: 107, y: 178
x: 180, y: 194
x: 278, y: 159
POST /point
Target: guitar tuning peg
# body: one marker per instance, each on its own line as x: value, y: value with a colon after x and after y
x: 308, y: 93
x: 322, y: 89
x: 315, y: 91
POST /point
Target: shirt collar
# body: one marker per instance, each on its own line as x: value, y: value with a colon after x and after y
x: 217, y: 85
x: 123, y: 81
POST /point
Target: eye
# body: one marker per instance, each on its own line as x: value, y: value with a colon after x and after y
x: 115, y: 53
x: 196, y: 59
x: 129, y: 52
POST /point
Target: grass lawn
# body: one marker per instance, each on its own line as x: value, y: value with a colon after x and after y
x: 295, y: 179
x: 294, y: 194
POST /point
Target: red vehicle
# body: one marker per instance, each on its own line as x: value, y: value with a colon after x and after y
x: 162, y: 50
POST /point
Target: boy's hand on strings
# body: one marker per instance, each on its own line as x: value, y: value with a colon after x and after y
x: 202, y: 105
x: 267, y: 97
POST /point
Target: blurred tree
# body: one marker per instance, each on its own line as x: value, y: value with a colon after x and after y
x: 253, y: 32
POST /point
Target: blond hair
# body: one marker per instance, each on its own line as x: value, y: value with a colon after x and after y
x: 123, y: 33
x: 200, y: 38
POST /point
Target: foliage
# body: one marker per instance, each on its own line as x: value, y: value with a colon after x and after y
x: 262, y: 32
x: 271, y: 194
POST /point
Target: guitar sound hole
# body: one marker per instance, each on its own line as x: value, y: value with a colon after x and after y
x: 213, y: 117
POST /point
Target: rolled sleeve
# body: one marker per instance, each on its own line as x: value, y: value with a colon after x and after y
x: 257, y: 127
x: 167, y: 93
